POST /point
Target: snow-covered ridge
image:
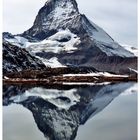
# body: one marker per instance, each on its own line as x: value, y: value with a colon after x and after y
x: 114, y: 49
x: 104, y: 97
x: 134, y: 50
x: 99, y: 34
x: 64, y: 40
x: 18, y: 41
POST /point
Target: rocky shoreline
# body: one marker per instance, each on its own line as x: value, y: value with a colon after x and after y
x: 53, y: 76
x: 59, y: 80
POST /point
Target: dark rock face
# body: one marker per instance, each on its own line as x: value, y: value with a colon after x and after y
x: 16, y: 59
x: 37, y: 74
x: 62, y: 125
x: 7, y: 35
x: 57, y: 118
x: 46, y: 24
x: 88, y: 54
x: 60, y: 14
x: 97, y: 48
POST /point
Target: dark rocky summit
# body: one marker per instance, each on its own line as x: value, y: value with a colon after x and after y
x: 55, y: 15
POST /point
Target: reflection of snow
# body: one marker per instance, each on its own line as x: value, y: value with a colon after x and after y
x: 87, y: 83
x: 64, y: 99
x: 96, y: 74
x: 51, y: 95
x: 103, y: 98
x: 131, y: 90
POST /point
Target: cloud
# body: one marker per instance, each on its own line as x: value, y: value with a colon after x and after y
x: 117, y: 17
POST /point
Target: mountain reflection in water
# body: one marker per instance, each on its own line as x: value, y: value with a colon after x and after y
x: 59, y: 111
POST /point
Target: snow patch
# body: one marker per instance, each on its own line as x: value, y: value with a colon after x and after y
x: 73, y: 40
x: 55, y: 43
x: 18, y: 41
x: 53, y: 62
x: 87, y: 83
x: 22, y: 40
x: 100, y: 35
x: 5, y: 77
x: 96, y: 74
x: 62, y: 41
x: 113, y: 49
x: 134, y: 50
x: 131, y: 90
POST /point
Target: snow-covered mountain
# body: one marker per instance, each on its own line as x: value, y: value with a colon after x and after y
x: 61, y: 36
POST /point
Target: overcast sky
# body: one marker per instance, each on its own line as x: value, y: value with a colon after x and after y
x: 117, y: 17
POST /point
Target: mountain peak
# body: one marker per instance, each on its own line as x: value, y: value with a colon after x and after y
x: 54, y: 15
x: 61, y: 3
x: 94, y: 48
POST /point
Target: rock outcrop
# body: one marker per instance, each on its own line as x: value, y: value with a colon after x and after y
x: 17, y: 59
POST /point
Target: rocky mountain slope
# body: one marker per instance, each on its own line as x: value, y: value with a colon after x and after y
x: 61, y: 36
x: 16, y: 59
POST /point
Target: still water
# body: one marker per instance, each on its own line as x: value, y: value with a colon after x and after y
x: 70, y: 112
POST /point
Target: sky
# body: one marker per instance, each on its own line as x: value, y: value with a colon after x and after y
x: 117, y: 17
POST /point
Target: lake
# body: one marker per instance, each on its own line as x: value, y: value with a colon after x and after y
x: 70, y: 112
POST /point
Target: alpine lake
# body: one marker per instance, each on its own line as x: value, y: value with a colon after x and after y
x: 106, y: 111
